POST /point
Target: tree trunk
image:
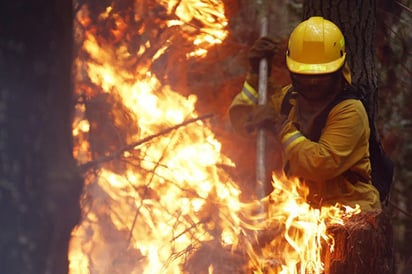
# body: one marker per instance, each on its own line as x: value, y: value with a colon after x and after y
x: 356, y: 19
x: 363, y: 245
x: 40, y: 186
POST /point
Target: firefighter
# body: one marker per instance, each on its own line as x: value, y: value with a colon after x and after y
x: 333, y: 161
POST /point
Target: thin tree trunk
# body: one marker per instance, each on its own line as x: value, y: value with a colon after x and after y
x: 39, y: 183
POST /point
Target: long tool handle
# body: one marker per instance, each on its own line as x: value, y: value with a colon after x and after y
x: 261, y: 174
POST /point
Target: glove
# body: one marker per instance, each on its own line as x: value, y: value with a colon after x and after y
x: 264, y: 116
x: 263, y: 47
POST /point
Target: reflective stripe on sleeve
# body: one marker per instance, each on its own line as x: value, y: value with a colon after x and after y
x: 249, y: 93
x: 291, y: 139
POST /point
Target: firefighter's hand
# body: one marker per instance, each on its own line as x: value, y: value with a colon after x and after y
x: 263, y: 47
x: 264, y: 116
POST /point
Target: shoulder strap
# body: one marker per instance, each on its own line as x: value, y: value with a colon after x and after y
x: 349, y: 92
x: 286, y: 105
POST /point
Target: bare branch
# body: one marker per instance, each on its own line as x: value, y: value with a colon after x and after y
x: 117, y: 154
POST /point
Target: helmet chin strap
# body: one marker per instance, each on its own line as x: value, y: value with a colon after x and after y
x: 326, y: 96
x: 316, y: 98
x: 310, y: 98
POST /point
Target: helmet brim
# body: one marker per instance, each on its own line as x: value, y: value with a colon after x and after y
x: 302, y: 68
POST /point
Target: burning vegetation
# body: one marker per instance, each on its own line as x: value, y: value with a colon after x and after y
x: 158, y: 196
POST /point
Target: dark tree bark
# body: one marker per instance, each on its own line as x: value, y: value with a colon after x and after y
x: 357, y: 20
x: 39, y: 183
x: 361, y: 246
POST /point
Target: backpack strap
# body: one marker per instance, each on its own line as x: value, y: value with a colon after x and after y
x: 349, y: 92
x: 286, y: 105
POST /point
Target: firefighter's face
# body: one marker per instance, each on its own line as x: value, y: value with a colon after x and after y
x: 316, y: 87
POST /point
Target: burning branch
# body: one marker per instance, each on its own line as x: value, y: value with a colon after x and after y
x: 117, y: 154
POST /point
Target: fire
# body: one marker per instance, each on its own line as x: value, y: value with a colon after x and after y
x: 300, y: 230
x: 154, y: 206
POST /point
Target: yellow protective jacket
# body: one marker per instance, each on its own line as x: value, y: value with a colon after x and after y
x: 336, y: 167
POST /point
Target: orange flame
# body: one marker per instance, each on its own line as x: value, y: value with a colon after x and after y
x: 171, y: 195
x: 299, y: 230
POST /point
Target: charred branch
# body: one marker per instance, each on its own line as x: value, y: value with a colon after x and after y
x: 117, y: 154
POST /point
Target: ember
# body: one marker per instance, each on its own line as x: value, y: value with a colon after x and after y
x: 156, y: 197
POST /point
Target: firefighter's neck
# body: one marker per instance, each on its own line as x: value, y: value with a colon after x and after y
x: 324, y: 96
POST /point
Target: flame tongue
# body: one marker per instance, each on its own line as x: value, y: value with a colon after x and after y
x: 157, y: 205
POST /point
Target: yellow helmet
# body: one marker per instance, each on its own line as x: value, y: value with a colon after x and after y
x: 316, y: 46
